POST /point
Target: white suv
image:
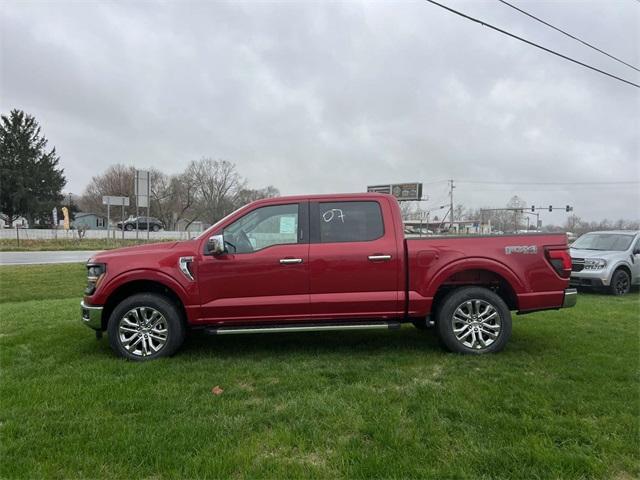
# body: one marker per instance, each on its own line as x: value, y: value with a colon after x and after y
x: 606, y: 259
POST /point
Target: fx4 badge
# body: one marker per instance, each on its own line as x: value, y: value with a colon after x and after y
x: 526, y: 249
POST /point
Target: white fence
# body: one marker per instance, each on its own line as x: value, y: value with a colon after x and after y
x: 42, y: 234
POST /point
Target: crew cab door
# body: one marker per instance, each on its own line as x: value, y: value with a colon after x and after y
x: 354, y: 260
x: 264, y: 275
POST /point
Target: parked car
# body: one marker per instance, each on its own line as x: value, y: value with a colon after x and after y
x: 322, y: 262
x: 143, y: 223
x: 608, y: 260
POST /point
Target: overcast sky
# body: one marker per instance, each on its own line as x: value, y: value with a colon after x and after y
x: 329, y: 97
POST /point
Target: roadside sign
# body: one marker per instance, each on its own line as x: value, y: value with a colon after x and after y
x: 113, y: 200
x: 142, y: 187
x: 402, y: 191
x: 109, y: 200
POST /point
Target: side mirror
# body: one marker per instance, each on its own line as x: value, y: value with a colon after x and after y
x: 636, y: 251
x: 215, y: 245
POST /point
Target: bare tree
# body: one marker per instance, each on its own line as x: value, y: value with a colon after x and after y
x: 162, y: 197
x: 248, y: 195
x: 517, y: 215
x: 218, y: 184
x: 117, y: 180
x: 460, y: 212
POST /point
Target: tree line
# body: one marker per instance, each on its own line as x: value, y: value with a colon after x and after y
x: 512, y: 220
x: 207, y: 190
x: 32, y: 182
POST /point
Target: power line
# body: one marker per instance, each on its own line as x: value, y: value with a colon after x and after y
x: 481, y: 22
x: 568, y: 34
x: 615, y: 182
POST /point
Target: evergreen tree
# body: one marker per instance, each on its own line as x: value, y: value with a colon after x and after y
x: 31, y: 180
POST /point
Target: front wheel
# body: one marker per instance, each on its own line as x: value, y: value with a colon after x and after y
x: 155, y: 228
x: 620, y: 283
x: 128, y: 227
x: 474, y: 320
x: 145, y: 326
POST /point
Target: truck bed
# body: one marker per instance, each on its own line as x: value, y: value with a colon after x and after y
x: 515, y: 264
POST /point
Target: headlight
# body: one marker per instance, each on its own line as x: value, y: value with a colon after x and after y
x: 594, y: 263
x: 95, y: 271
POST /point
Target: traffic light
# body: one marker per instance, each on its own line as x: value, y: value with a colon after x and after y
x: 551, y: 208
x: 569, y: 208
x: 533, y: 208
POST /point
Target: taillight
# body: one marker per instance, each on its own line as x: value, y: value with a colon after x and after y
x: 560, y: 260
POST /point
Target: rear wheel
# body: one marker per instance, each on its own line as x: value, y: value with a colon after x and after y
x: 145, y: 326
x: 474, y: 320
x: 620, y: 283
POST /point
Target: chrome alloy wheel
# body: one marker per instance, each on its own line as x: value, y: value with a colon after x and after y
x: 476, y: 324
x: 143, y: 331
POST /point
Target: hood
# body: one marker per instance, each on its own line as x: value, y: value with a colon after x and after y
x: 605, y: 254
x: 136, y: 250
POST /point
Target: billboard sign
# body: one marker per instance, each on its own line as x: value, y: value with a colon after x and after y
x: 402, y: 191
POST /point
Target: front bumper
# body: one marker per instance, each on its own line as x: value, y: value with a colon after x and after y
x: 91, y: 316
x: 570, y: 298
x: 586, y: 278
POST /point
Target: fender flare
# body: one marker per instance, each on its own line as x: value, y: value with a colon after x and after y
x: 146, y: 274
x: 475, y: 263
x: 623, y: 264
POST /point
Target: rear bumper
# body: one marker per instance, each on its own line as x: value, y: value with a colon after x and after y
x: 91, y: 316
x: 570, y: 298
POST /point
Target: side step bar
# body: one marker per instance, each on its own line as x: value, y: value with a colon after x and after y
x: 302, y: 327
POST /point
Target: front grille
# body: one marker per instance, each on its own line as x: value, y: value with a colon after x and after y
x: 577, y: 264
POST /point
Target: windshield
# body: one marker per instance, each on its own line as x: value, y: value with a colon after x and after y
x: 215, y: 225
x: 617, y: 242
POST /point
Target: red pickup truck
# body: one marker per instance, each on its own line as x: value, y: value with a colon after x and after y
x: 322, y: 262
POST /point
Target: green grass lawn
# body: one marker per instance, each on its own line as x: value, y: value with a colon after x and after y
x: 562, y: 401
x: 12, y: 245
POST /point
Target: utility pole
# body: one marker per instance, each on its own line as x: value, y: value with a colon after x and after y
x: 451, y: 187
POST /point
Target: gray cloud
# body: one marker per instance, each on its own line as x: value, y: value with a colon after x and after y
x: 322, y: 97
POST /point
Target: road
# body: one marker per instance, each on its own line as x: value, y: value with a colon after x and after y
x: 34, y: 258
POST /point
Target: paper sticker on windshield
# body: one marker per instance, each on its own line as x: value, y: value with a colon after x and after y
x: 287, y: 224
x: 526, y: 249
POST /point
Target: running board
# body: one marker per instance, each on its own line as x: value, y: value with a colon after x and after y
x: 302, y: 328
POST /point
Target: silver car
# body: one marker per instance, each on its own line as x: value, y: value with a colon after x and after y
x: 606, y: 259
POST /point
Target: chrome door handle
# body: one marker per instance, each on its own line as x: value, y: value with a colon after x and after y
x: 379, y: 258
x: 288, y: 261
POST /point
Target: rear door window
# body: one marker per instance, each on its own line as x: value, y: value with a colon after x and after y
x: 350, y: 221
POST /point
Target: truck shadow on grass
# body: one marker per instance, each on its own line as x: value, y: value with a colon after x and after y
x: 407, y: 341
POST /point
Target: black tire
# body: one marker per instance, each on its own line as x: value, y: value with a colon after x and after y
x: 155, y: 228
x: 620, y: 283
x: 128, y: 227
x: 479, y: 297
x: 143, y: 303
